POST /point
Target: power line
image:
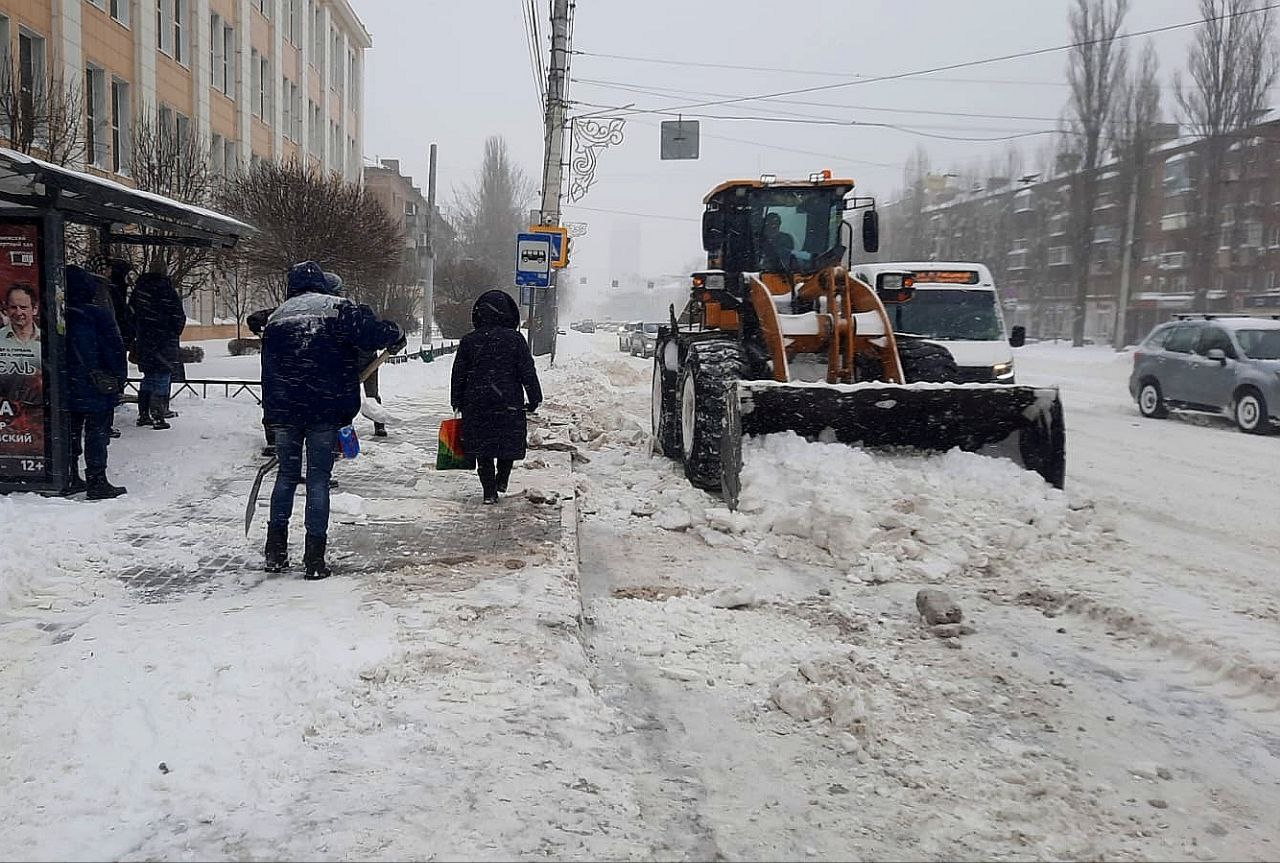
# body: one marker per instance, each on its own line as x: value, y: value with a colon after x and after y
x: 823, y: 73
x: 665, y: 92
x: 953, y: 66
x: 630, y: 213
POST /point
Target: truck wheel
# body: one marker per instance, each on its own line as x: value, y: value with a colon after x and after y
x: 927, y: 361
x: 709, y: 369
x: 665, y: 409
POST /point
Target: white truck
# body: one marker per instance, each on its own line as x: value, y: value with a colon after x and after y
x: 953, y: 303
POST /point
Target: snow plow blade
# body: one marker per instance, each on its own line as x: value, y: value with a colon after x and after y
x: 1015, y: 422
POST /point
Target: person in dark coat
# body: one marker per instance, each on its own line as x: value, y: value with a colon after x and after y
x: 493, y: 374
x: 310, y: 388
x: 95, y: 355
x: 158, y: 321
x: 257, y: 323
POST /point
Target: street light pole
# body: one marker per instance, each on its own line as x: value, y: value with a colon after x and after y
x: 429, y: 298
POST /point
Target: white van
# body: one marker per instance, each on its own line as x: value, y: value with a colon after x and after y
x: 955, y: 304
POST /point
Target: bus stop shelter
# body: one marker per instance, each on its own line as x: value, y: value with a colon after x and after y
x: 37, y: 202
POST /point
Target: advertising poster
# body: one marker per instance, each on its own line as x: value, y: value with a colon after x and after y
x: 24, y: 412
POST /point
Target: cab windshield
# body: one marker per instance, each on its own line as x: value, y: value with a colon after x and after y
x: 793, y: 228
x: 950, y: 315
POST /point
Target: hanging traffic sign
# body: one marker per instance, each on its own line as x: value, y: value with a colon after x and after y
x: 533, y: 260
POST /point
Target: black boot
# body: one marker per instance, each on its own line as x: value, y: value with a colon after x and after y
x: 144, y: 409
x: 313, y: 559
x: 379, y: 430
x: 160, y: 410
x: 503, y: 477
x: 77, y: 482
x: 276, y: 551
x: 97, y: 487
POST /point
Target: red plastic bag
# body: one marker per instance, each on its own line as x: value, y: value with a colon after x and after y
x: 449, y: 453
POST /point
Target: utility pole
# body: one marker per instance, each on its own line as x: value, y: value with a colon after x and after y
x: 429, y: 298
x: 1126, y: 266
x: 543, y: 317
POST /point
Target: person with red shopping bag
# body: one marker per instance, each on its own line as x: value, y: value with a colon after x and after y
x: 494, y: 384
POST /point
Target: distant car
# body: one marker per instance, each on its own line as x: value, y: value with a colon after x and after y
x: 588, y: 327
x: 624, y: 334
x: 644, y: 341
x: 1222, y: 365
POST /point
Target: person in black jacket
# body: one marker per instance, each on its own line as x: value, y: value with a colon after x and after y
x: 95, y: 358
x: 493, y: 374
x: 158, y: 322
x: 310, y: 388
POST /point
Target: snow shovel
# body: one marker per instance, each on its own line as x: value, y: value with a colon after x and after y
x: 273, y: 461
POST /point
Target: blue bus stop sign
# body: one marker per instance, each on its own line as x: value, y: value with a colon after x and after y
x: 533, y: 260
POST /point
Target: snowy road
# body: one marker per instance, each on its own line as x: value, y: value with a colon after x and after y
x: 750, y: 685
x: 1117, y: 700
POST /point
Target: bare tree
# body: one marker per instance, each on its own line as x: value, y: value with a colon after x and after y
x: 492, y: 211
x: 1232, y: 65
x: 1134, y: 133
x: 907, y: 229
x: 175, y: 164
x: 1094, y: 71
x: 305, y: 214
x: 236, y: 289
x: 42, y: 116
x: 458, y: 283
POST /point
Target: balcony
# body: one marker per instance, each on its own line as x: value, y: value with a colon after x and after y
x: 1173, y: 222
x: 1059, y: 256
x: 1173, y: 261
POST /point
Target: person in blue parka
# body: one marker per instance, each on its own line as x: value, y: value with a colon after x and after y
x: 311, y: 348
x: 96, y: 372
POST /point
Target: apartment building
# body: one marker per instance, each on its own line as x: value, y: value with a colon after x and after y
x: 258, y: 79
x: 1022, y: 230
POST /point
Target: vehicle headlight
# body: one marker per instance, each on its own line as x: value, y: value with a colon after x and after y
x: 1003, y: 370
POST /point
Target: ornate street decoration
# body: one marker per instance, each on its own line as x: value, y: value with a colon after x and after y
x: 575, y: 229
x: 590, y: 136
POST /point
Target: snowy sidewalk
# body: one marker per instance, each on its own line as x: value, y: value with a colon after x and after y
x: 431, y: 699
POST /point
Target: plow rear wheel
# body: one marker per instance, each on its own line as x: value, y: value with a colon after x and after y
x: 709, y: 369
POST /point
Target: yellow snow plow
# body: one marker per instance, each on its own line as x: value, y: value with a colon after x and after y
x: 779, y: 336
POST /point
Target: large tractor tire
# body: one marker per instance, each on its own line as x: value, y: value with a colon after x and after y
x: 709, y: 369
x: 666, y: 400
x: 927, y: 361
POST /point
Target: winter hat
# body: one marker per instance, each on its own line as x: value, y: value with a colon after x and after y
x: 306, y: 278
x: 334, y: 282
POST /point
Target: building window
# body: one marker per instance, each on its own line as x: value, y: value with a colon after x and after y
x: 293, y: 24
x: 119, y: 10
x: 215, y: 51
x: 256, y: 84
x: 120, y: 114
x: 222, y: 54
x: 180, y: 30
x: 263, y: 6
x: 216, y: 154
x: 1252, y: 235
x: 286, y: 109
x: 336, y: 68
x: 95, y: 102
x: 182, y: 128
x: 31, y: 69
x: 264, y: 88
x: 1273, y: 281
x: 317, y: 37
x: 353, y: 78
x: 231, y: 157
x: 1273, y: 237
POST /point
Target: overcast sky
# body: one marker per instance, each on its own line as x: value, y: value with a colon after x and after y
x: 456, y: 72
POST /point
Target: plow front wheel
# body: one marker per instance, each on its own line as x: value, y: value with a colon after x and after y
x: 665, y: 410
x: 710, y: 368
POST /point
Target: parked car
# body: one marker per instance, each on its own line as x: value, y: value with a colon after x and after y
x: 644, y: 341
x: 624, y: 334
x: 1221, y: 365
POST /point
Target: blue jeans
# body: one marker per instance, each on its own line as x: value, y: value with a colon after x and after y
x: 320, y: 441
x: 156, y: 384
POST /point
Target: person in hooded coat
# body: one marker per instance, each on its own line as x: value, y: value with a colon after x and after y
x: 310, y: 388
x: 158, y: 319
x: 94, y: 350
x: 493, y: 374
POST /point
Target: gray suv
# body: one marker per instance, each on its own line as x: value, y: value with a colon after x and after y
x: 1223, y: 365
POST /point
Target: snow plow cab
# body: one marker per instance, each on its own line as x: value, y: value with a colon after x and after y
x: 779, y: 336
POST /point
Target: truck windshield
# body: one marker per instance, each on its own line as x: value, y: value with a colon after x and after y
x: 1260, y: 344
x: 949, y: 315
x: 793, y: 227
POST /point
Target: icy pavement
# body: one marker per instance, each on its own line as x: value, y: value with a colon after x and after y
x: 625, y: 669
